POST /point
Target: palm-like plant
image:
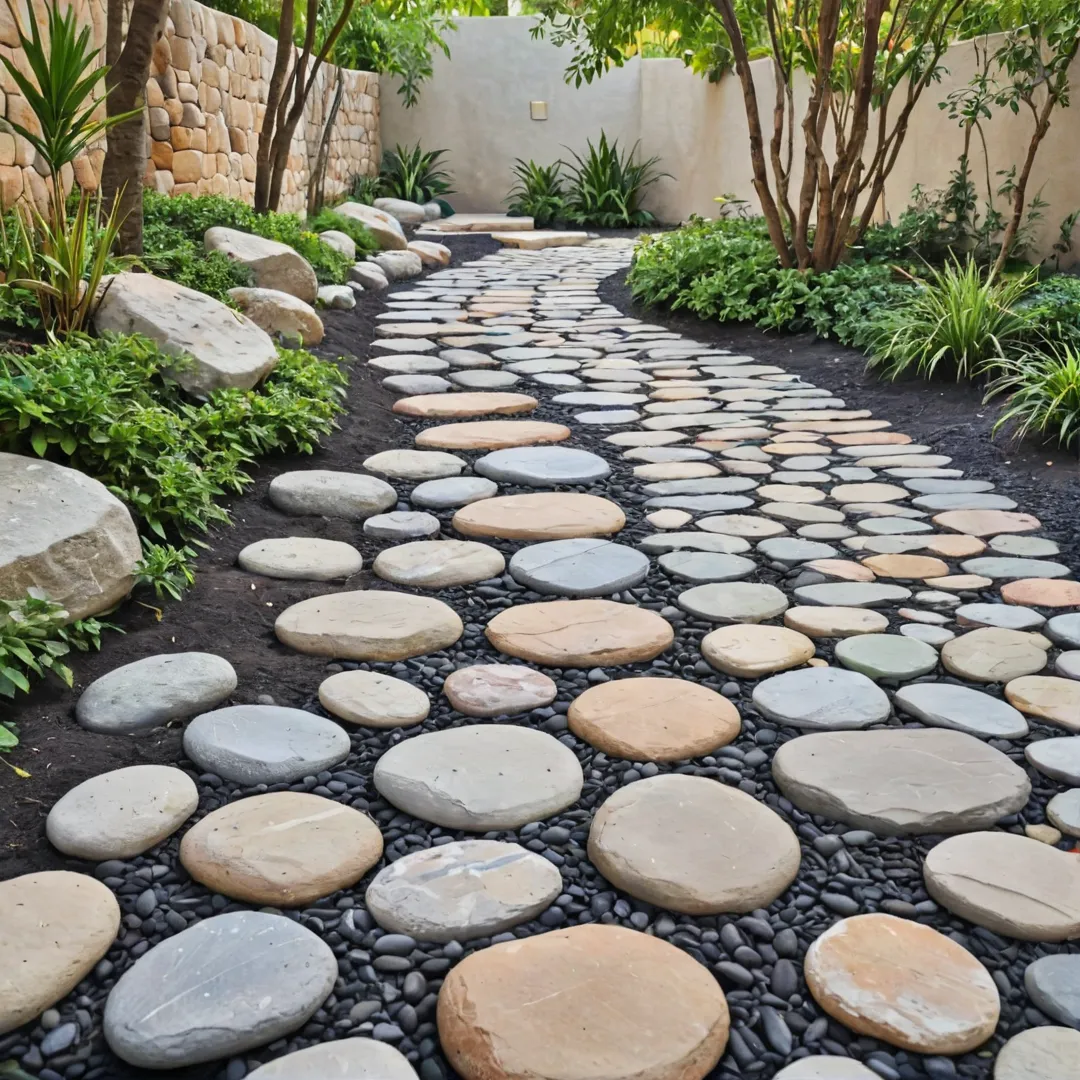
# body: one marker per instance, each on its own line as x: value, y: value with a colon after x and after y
x: 537, y: 192
x: 413, y: 174
x: 607, y: 185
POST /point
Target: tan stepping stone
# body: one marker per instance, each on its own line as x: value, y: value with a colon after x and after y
x: 368, y: 625
x: 344, y: 1059
x: 675, y: 470
x: 282, y: 849
x: 735, y: 434
x: 959, y: 582
x: 744, y: 525
x: 540, y: 238
x: 835, y: 622
x: 498, y: 689
x: 689, y: 844
x: 953, y: 546
x: 791, y: 449
x: 844, y: 569
x: 373, y: 699
x: 1041, y: 592
x: 737, y: 468
x: 580, y: 633
x: 803, y: 513
x: 790, y: 493
x: 752, y: 650
x: 645, y: 438
x: 828, y: 427
x: 406, y: 464
x: 54, y: 927
x: 987, y: 522
x: 868, y: 438
x: 797, y: 437
x: 492, y: 434
x: 582, y: 1004
x: 906, y: 567
x: 647, y: 719
x: 540, y: 515
x: 438, y: 564
x: 465, y: 404
x: 868, y: 493
x: 1042, y: 1053
x: 993, y: 654
x: 1047, y: 697
x: 1010, y: 884
x: 301, y: 558
x: 668, y: 519
x: 902, y: 982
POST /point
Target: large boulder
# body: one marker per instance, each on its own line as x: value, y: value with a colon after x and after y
x: 399, y: 265
x: 408, y: 213
x: 64, y: 533
x: 338, y: 297
x: 280, y: 313
x: 275, y: 265
x: 220, y: 347
x: 386, y: 229
x: 431, y: 254
x: 339, y: 241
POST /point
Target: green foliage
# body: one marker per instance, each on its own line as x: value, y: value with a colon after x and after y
x: 413, y: 174
x: 605, y: 185
x: 165, y: 568
x: 537, y: 192
x: 365, y: 189
x: 1043, y: 388
x: 328, y: 219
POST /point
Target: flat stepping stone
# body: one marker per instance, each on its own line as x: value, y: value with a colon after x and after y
x: 122, y: 813
x: 962, y: 708
x: 868, y: 449
x: 438, y: 564
x: 539, y: 365
x: 906, y: 782
x: 452, y: 492
x: 496, y: 403
x: 974, y: 501
x: 650, y: 719
x: 531, y: 1008
x: 868, y: 493
x: 368, y: 625
x: 975, y: 876
x: 693, y: 541
x: 408, y: 365
x: 945, y: 486
x: 844, y: 569
x: 402, y: 525
x: 467, y: 358
x: 1048, y: 1053
x: 704, y: 566
x: 498, y: 689
x: 1057, y: 758
x: 282, y: 849
x: 749, y: 651
x: 986, y: 522
x: 1063, y: 811
x: 1040, y: 592
x: 826, y: 1067
x: 1004, y: 615
x: 480, y: 778
x: 886, y: 656
x: 792, y: 550
x: 834, y: 622
x: 492, y: 434
x: 463, y: 890
x: 361, y: 1059
x: 579, y: 567
x: 1067, y: 664
x: 150, y: 692
x: 225, y: 985
x: 734, y: 602
x: 701, y: 504
x: 414, y: 464
x: 892, y: 526
x: 1048, y: 698
x: 264, y: 744
x: 540, y: 516
x: 608, y: 417
x: 484, y: 379
x: 325, y: 493
x: 580, y: 633
x: 707, y: 485
x: 416, y: 384
x: 900, y: 981
x: 599, y: 398
x: 791, y: 493
x: 54, y: 928
x: 669, y: 519
x: 1003, y: 567
x: 822, y: 699
x: 1053, y: 984
x: 555, y: 378
x: 689, y: 844
x: 542, y: 466
x: 906, y: 567
x: 851, y: 594
x: 373, y: 699
x: 301, y: 558
x: 803, y: 513
x: 1065, y: 630
x: 744, y: 525
x: 645, y: 438
x: 1029, y: 546
x: 991, y: 654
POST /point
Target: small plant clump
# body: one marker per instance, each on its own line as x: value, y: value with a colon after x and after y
x: 414, y: 174
x: 605, y: 185
x: 538, y: 192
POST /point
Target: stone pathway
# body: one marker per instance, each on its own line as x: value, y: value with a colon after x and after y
x: 688, y: 721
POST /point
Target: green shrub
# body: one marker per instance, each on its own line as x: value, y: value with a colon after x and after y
x: 1043, y: 388
x: 1055, y: 306
x: 170, y: 253
x: 413, y: 174
x: 328, y: 219
x: 165, y: 568
x: 605, y: 186
x: 365, y: 189
x: 537, y: 192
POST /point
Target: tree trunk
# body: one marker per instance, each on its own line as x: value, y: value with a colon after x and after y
x: 317, y: 181
x: 125, y: 158
x: 282, y: 57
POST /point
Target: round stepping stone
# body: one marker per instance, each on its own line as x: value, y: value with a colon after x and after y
x: 1040, y: 592
x: 689, y: 844
x: 599, y: 398
x: 1001, y: 567
x: 891, y: 526
x: 821, y: 699
x: 803, y: 513
x: 402, y: 525
x: 834, y: 622
x: 301, y: 558
x: 416, y: 384
x: 326, y: 493
x: 463, y: 890
x: 579, y: 567
x: 452, y: 492
x: 373, y: 699
x: 498, y: 689
x: 960, y: 582
x: 703, y: 566
x: 264, y: 744
x: 868, y: 493
x: 480, y: 778
x: 1065, y: 630
x: 950, y: 706
x: 1057, y: 758
x: 906, y: 567
x: 791, y: 493
x: 851, y: 594
x: 225, y: 985
x: 121, y: 814
x: 150, y: 692
x: 975, y: 876
x: 478, y: 403
x: 540, y: 516
x: 1053, y: 984
x: 368, y: 625
x: 902, y: 982
x: 1063, y: 811
x: 645, y: 438
x: 789, y: 549
x: 591, y: 1001
x: 750, y: 651
x: 403, y: 365
x: 414, y: 464
x: 669, y: 519
x: 542, y: 365
x: 676, y: 470
x: 283, y: 849
x: 609, y: 416
x: 991, y: 654
x: 974, y: 501
x: 54, y: 928
x: 986, y: 522
x: 1067, y: 664
x: 826, y: 1067
x: 844, y: 569
x: 906, y: 782
x: 484, y: 379
x: 467, y: 358
x: 942, y: 486
x: 1003, y: 615
x: 694, y: 541
x: 543, y: 466
x: 491, y: 434
x: 886, y: 656
x: 1044, y: 1053
x: 344, y: 1059
x: 579, y: 633
x: 743, y: 525
x: 1029, y: 546
x: 647, y: 719
x: 1047, y: 697
x: 734, y: 602
x: 438, y: 564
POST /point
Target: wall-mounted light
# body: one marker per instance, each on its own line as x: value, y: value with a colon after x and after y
x: 538, y: 110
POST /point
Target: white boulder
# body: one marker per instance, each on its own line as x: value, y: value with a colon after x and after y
x: 275, y: 265
x: 369, y: 276
x: 432, y: 211
x: 339, y: 241
x: 408, y: 213
x: 399, y: 265
x: 339, y: 297
x: 386, y: 229
x: 280, y: 313
x: 431, y: 254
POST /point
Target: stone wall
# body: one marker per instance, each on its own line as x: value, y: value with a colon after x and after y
x: 206, y: 98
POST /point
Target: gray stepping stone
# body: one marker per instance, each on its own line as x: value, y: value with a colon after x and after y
x: 225, y: 985
x: 1064, y: 812
x: 550, y: 366
x: 851, y: 594
x: 439, y: 564
x: 657, y: 454
x: 734, y: 602
x: 579, y: 567
x: 701, y: 504
x: 932, y: 635
x: 960, y: 707
x: 821, y: 699
x: 892, y: 526
x: 1067, y: 665
x: 409, y: 365
x: 463, y: 890
x: 824, y: 531
x: 155, y: 690
x: 1053, y: 984
x: 609, y: 416
x: 599, y: 399
x: 526, y: 353
x: 707, y: 485
x: 543, y: 466
x: 803, y: 513
x: 799, y: 478
x: 452, y: 492
x: 1065, y: 629
x: 675, y: 541
x: 788, y: 549
x: 416, y: 384
x: 482, y: 379
x: 555, y: 379
x: 402, y: 525
x: 1005, y: 615
x: 301, y: 558
x: 1028, y: 546
x: 853, y: 473
x: 345, y: 1059
x: 264, y: 744
x: 963, y: 502
x: 911, y: 472
x: 826, y: 1067
x: 806, y: 462
x: 327, y: 493
x: 887, y: 656
x: 877, y: 450
x: 932, y: 486
x: 1057, y: 758
x: 1002, y: 567
x: 468, y: 358
x: 705, y: 566
x: 411, y: 464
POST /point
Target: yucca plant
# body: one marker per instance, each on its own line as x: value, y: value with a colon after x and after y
x: 1043, y: 386
x: 413, y: 174
x: 606, y: 185
x: 537, y: 192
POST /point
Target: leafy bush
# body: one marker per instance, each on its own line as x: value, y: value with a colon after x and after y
x: 169, y: 253
x: 1055, y: 306
x: 165, y: 568
x: 413, y: 174
x: 1043, y: 388
x: 606, y: 186
x: 365, y: 189
x: 327, y: 219
x: 537, y: 192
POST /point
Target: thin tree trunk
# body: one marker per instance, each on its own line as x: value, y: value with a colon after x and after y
x: 317, y: 180
x: 274, y: 95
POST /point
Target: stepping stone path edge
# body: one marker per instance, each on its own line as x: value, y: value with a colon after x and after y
x: 475, y: 761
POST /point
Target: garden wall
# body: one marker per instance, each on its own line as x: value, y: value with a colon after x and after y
x: 206, y: 98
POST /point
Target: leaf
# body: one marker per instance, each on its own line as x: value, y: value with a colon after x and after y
x: 40, y: 442
x: 8, y: 741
